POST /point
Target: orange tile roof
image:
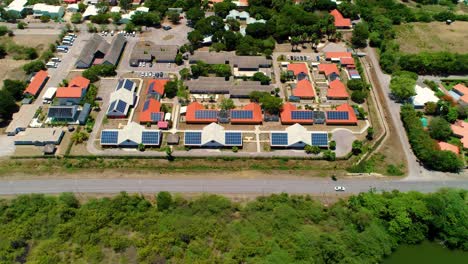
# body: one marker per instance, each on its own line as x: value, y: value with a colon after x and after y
x: 256, y: 118
x: 337, y: 55
x: 340, y: 21
x: 328, y: 68
x: 462, y: 89
x: 37, y: 83
x: 304, y: 89
x: 79, y: 82
x: 286, y: 115
x: 150, y: 106
x: 156, y: 85
x: 68, y: 92
x: 352, y: 119
x: 298, y: 68
x: 190, y: 114
x: 460, y: 129
x: 336, y: 89
x: 448, y: 147
x: 347, y: 61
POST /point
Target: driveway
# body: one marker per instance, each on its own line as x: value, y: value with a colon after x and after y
x: 7, y: 146
x: 344, y: 141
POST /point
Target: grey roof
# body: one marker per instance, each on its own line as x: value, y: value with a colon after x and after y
x: 115, y: 49
x: 83, y: 116
x: 250, y: 62
x: 211, y: 57
x: 173, y: 139
x: 22, y: 118
x: 39, y: 136
x: 147, y: 50
x: 218, y: 85
x: 96, y: 43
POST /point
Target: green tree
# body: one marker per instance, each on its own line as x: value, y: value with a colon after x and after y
x: 164, y: 201
x: 312, y: 149
x: 7, y: 105
x: 227, y: 104
x: 45, y: 19
x: 439, y: 129
x: 222, y: 9
x: 370, y: 133
x: 79, y: 137
x: 14, y: 87
x: 261, y: 77
x: 195, y: 38
x: 174, y: 17
x: 357, y: 85
x: 329, y: 155
x: 178, y: 59
x: 332, y: 145
x: 357, y: 147
x: 170, y: 89
x: 360, y: 35
x: 184, y: 73
x: 3, y: 51
x: 402, y: 87
x: 149, y: 19
x: 34, y: 66
x: 359, y: 96
x: 222, y: 70
x: 3, y: 30
x: 125, y: 4
x: 76, y: 18
x: 194, y: 14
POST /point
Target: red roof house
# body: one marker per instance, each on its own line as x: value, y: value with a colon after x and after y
x: 340, y: 21
x: 448, y: 147
x: 348, y: 62
x: 328, y: 69
x: 304, y: 89
x: 70, y: 1
x: 74, y: 92
x: 337, y: 90
x: 37, y: 83
x: 291, y: 115
x: 298, y: 68
x: 343, y: 115
x: 151, y: 112
x: 249, y: 114
x: 79, y: 82
x: 337, y: 55
x: 197, y: 114
x: 68, y: 92
x: 460, y: 129
x: 156, y: 86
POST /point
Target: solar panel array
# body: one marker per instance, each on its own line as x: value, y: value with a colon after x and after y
x: 151, y: 88
x: 61, y: 112
x: 233, y: 138
x: 206, y: 114
x: 156, y: 116
x: 337, y: 115
x: 241, y: 114
x: 279, y: 139
x: 319, y: 139
x: 128, y: 85
x: 302, y: 115
x: 146, y: 105
x: 121, y: 106
x: 112, y: 106
x: 150, y: 137
x: 109, y: 137
x: 192, y: 138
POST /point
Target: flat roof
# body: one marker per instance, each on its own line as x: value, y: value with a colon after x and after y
x: 39, y: 134
x: 22, y: 118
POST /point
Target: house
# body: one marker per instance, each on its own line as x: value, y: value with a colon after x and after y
x: 304, y: 89
x: 122, y: 99
x: 219, y: 85
x: 39, y: 136
x: 210, y: 57
x: 130, y: 136
x: 90, y: 11
x: 336, y: 56
x: 342, y: 115
x: 16, y: 7
x: 423, y: 96
x: 21, y: 119
x: 348, y: 62
x: 147, y: 51
x: 37, y: 83
x: 248, y: 65
x: 340, y: 21
x: 156, y: 88
x: 213, y: 136
x: 197, y: 114
x: 460, y: 94
x: 99, y: 51
x: 291, y: 115
x: 460, y: 130
x: 49, y: 95
x: 354, y: 74
x: 241, y: 3
x: 299, y: 70
x: 448, y: 147
x: 297, y: 136
x: 337, y: 91
x: 74, y: 92
x: 151, y: 112
x: 330, y: 70
x: 48, y: 10
x: 249, y: 114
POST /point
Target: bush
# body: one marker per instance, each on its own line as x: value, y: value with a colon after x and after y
x: 14, y: 87
x: 359, y: 96
x: 171, y: 88
x: 329, y: 155
x: 34, y: 66
x: 95, y: 71
x: 439, y: 129
x: 333, y: 145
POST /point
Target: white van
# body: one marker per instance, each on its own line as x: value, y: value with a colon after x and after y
x: 51, y: 64
x: 55, y: 59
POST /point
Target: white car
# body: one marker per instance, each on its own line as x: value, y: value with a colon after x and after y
x: 340, y: 188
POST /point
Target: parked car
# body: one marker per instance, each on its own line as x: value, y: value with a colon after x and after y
x: 340, y: 188
x: 167, y: 28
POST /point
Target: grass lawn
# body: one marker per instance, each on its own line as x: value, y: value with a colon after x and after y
x: 434, y: 36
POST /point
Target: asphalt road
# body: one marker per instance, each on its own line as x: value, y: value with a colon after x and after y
x: 222, y: 186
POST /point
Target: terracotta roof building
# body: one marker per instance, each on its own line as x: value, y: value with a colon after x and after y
x: 462, y: 91
x: 249, y: 114
x: 304, y: 89
x: 74, y: 92
x: 448, y: 147
x: 460, y: 129
x: 156, y: 87
x: 37, y: 83
x: 343, y: 115
x: 291, y: 115
x: 151, y: 112
x: 330, y: 70
x: 337, y: 90
x: 197, y: 114
x: 298, y: 68
x: 340, y: 21
x: 337, y: 55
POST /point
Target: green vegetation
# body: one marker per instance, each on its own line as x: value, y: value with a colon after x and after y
x: 203, y: 69
x: 270, y: 104
x: 262, y: 78
x: 439, y: 129
x: 34, y: 66
x: 95, y: 71
x: 7, y: 105
x: 15, y: 88
x: 424, y: 147
x: 212, y: 229
x: 171, y: 88
x: 227, y: 104
x: 403, y: 85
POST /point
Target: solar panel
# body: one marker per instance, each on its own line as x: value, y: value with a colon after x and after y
x: 241, y: 114
x: 128, y: 85
x: 151, y: 88
x: 156, y: 116
x: 61, y: 112
x: 112, y: 106
x: 279, y: 139
x: 233, y: 138
x: 192, y: 138
x: 319, y: 139
x: 337, y: 115
x: 121, y: 106
x: 302, y: 115
x: 206, y: 114
x: 146, y: 105
x: 109, y: 137
x: 150, y: 137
